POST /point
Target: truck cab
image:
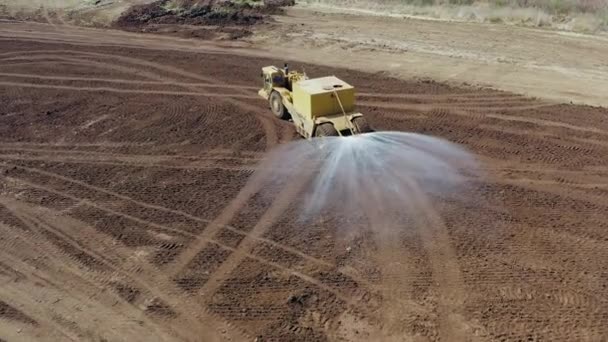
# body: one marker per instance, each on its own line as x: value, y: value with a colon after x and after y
x: 273, y: 77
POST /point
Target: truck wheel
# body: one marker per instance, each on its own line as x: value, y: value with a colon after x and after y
x: 361, y: 125
x: 277, y: 107
x: 326, y: 130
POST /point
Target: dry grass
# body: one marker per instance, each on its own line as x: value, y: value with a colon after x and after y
x: 570, y: 15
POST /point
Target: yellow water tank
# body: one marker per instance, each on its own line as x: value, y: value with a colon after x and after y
x: 317, y: 97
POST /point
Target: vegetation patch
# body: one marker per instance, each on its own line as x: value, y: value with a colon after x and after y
x: 569, y: 15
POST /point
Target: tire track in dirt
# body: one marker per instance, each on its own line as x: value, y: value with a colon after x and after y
x: 577, y: 290
x: 464, y: 103
x: 139, y: 267
x: 130, y: 162
x: 211, y: 114
x: 92, y: 204
x: 483, y: 105
x: 279, y: 205
x: 121, y: 69
x: 497, y: 164
x: 147, y: 279
x: 164, y: 228
x: 137, y: 40
x: 49, y: 64
x: 124, y: 91
x: 566, y: 278
x: 60, y: 256
x: 12, y: 94
x: 591, y: 141
x: 203, y: 156
x: 562, y: 297
x: 471, y: 112
x: 458, y: 96
x: 230, y: 265
x: 539, y: 183
x: 9, y: 292
x: 61, y: 37
x: 399, y: 274
x: 180, y: 213
x: 124, y: 81
x: 572, y: 193
x: 49, y: 258
x: 559, y: 151
x: 65, y: 244
x: 538, y: 175
x: 8, y: 312
x: 58, y: 34
x: 213, y: 227
x: 265, y: 119
x: 64, y: 62
x: 548, y: 123
x: 58, y: 316
x: 75, y: 148
x: 445, y: 268
x: 568, y: 296
x: 80, y: 58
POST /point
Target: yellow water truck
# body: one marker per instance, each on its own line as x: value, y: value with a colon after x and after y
x: 318, y: 107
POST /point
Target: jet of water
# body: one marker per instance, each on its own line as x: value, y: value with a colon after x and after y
x: 382, y: 197
x: 381, y: 178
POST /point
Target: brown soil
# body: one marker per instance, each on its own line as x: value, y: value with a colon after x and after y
x: 8, y: 312
x: 125, y: 212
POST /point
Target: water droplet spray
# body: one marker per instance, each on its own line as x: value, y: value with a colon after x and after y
x: 377, y: 194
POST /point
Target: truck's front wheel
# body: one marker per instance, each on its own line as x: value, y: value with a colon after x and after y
x: 277, y: 107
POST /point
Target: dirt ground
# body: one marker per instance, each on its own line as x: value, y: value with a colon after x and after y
x: 126, y: 214
x: 555, y: 65
x: 560, y: 66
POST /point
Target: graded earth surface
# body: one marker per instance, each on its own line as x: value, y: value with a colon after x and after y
x: 126, y: 215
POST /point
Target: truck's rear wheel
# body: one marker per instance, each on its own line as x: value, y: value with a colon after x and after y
x: 277, y: 107
x: 326, y: 130
x: 361, y: 125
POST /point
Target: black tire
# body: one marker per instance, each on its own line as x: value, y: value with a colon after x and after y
x: 326, y: 130
x: 361, y: 125
x: 276, y: 106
